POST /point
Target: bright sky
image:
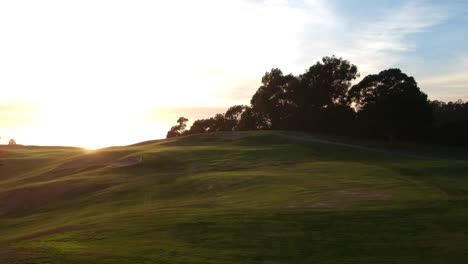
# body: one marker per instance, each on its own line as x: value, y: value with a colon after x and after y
x: 95, y: 73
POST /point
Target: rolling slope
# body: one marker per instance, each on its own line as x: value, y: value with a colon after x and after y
x: 250, y: 197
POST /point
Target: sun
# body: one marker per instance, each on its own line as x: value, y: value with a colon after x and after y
x: 90, y: 125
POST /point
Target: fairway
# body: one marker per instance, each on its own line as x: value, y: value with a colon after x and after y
x: 240, y: 197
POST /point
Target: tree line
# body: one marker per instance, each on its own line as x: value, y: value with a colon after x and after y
x: 323, y: 100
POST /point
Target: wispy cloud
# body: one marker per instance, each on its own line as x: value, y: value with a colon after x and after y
x: 72, y: 58
x: 451, y: 85
x: 16, y: 118
x: 380, y: 42
x: 373, y: 44
x: 17, y: 112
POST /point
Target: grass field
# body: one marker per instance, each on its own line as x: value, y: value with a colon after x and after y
x: 253, y: 197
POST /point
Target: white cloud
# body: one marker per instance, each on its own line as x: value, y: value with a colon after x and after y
x: 452, y: 80
x: 121, y: 49
x: 450, y: 85
x: 157, y: 50
x: 377, y: 44
x: 102, y: 63
x: 94, y: 65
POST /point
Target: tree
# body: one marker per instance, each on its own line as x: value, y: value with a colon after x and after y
x: 247, y: 120
x: 450, y: 122
x: 321, y: 94
x: 235, y: 112
x: 251, y: 120
x: 326, y: 83
x: 274, y: 100
x: 233, y: 116
x: 179, y: 129
x: 202, y: 126
x: 214, y: 124
x: 391, y: 104
x: 238, y: 117
x: 220, y: 123
x: 450, y: 112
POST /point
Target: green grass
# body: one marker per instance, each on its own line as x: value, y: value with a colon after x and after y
x: 252, y: 197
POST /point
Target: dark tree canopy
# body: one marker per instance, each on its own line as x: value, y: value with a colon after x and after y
x: 290, y: 102
x: 313, y: 101
x: 233, y: 116
x: 322, y: 100
x: 391, y: 104
x: 179, y: 129
x: 451, y: 112
x: 450, y: 122
x: 326, y: 83
x: 320, y: 97
x: 235, y: 112
x: 274, y: 100
x: 251, y: 120
x: 228, y: 121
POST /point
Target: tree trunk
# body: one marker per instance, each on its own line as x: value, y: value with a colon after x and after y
x: 391, y: 139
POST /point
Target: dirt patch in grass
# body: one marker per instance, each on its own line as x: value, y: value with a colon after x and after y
x: 88, y: 164
x: 130, y: 161
x: 340, y: 199
x: 45, y: 233
x: 97, y: 161
x: 346, y: 198
x: 232, y: 136
x: 10, y: 256
x: 31, y: 198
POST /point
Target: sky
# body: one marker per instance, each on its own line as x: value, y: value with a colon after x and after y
x: 96, y: 73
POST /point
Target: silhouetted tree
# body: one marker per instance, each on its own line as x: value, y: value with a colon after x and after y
x: 238, y: 117
x: 450, y: 112
x: 235, y: 112
x: 326, y: 83
x: 251, y: 120
x: 213, y: 124
x: 247, y: 120
x: 221, y: 123
x: 179, y: 129
x: 338, y: 120
x: 274, y: 101
x: 233, y: 116
x: 391, y: 104
x: 202, y: 126
x: 321, y: 96
x: 450, y: 122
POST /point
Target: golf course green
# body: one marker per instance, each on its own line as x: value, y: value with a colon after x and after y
x: 240, y: 197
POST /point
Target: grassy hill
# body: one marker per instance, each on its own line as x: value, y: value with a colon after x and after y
x: 253, y: 197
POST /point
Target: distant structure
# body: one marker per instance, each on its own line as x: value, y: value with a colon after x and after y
x: 12, y: 142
